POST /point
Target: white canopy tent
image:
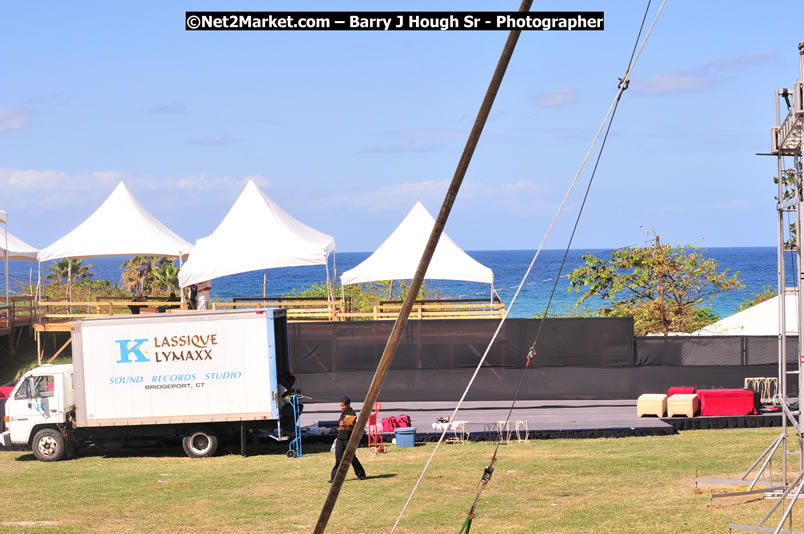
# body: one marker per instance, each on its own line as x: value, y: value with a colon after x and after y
x: 13, y: 248
x: 255, y: 234
x: 17, y: 249
x: 759, y: 320
x: 398, y: 257
x: 121, y: 226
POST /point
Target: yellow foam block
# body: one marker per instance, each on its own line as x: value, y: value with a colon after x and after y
x: 652, y: 404
x: 682, y: 404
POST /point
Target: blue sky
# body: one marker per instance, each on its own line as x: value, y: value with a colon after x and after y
x: 347, y: 130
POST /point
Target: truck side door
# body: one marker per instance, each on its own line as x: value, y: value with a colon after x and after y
x: 33, y: 403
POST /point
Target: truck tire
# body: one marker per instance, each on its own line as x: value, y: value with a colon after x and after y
x: 200, y: 443
x: 48, y: 445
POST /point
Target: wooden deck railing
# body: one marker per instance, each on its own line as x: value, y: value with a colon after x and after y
x: 17, y: 311
x: 57, y: 315
x: 435, y: 309
x: 298, y: 308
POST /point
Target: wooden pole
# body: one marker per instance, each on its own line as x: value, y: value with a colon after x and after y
x: 424, y: 262
x: 5, y: 248
x: 264, y: 283
x: 70, y: 283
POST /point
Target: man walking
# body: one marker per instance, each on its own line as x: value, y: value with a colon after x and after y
x: 346, y: 424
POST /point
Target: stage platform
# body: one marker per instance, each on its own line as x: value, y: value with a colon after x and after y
x: 545, y: 419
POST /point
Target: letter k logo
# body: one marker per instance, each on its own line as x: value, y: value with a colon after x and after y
x: 128, y: 347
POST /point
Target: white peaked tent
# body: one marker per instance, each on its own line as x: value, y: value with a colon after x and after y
x: 119, y: 227
x: 398, y: 257
x: 17, y: 248
x: 255, y: 234
x: 759, y: 320
x: 13, y: 248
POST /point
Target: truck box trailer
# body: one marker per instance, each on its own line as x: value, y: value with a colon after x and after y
x: 195, y: 376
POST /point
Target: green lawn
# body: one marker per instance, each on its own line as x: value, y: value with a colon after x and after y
x: 643, y: 484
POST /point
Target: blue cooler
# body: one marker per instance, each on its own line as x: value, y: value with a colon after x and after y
x: 405, y: 436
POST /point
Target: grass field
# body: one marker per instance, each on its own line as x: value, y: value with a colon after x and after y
x: 640, y: 485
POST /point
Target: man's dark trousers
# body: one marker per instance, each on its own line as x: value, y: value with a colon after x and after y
x: 340, y: 448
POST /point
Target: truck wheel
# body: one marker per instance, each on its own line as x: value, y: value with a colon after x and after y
x: 48, y: 445
x: 200, y: 444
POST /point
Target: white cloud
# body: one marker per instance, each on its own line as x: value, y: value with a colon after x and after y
x: 204, y: 182
x: 259, y: 179
x: 676, y: 82
x: 109, y: 176
x: 12, y: 119
x: 742, y: 62
x: 420, y: 187
x: 702, y: 78
x: 557, y: 98
x: 30, y: 178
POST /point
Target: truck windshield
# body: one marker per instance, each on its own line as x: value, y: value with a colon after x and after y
x: 43, y: 387
x: 22, y: 392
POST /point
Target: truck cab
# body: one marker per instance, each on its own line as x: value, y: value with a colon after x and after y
x: 37, y: 410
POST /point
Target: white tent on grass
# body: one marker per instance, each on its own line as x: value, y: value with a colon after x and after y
x: 119, y: 227
x: 398, y: 257
x: 759, y: 320
x: 255, y: 234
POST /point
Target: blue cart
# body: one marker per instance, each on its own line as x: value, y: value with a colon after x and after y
x: 295, y: 447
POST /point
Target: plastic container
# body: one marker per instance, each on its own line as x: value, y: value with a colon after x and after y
x: 405, y: 437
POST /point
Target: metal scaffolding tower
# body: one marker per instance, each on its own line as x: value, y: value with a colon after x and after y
x: 786, y: 142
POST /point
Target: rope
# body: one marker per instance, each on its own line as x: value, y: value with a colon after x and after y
x: 621, y: 88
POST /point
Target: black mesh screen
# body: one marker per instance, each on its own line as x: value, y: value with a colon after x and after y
x: 577, y: 358
x: 459, y: 344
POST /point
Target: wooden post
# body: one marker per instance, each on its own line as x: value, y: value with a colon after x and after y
x: 264, y: 283
x: 424, y: 262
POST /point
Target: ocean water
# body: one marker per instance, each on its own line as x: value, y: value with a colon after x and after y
x: 756, y: 267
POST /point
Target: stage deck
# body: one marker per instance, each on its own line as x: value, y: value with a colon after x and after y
x: 545, y: 419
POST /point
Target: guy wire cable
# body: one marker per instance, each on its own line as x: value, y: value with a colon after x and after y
x: 489, y: 470
x: 438, y: 227
x: 623, y: 83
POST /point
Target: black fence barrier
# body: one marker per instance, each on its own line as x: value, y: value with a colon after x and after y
x: 576, y: 358
x: 459, y: 344
x: 716, y: 351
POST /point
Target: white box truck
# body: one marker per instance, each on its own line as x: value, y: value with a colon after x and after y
x: 198, y: 377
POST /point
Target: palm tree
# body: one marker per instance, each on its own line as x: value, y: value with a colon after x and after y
x: 166, y: 277
x: 138, y: 272
x: 66, y: 267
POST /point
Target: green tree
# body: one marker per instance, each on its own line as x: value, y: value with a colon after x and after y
x: 62, y: 269
x: 767, y: 294
x: 166, y: 277
x: 138, y: 272
x: 662, y: 287
x: 791, y: 183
